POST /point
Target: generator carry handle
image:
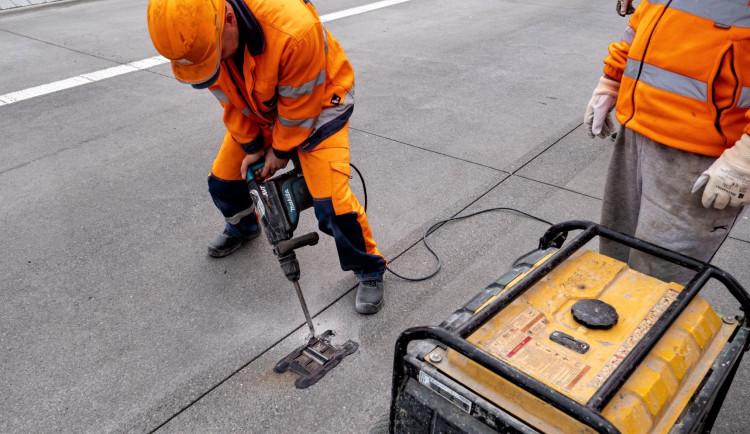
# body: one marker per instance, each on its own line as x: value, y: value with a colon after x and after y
x: 556, y: 235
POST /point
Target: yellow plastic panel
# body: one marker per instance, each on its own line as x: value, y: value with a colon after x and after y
x: 698, y: 335
x: 519, y: 335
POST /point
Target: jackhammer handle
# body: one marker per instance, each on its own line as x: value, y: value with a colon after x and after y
x: 284, y: 247
x: 254, y: 167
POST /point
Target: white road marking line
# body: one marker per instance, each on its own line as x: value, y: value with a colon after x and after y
x: 91, y: 77
x: 360, y: 10
x: 45, y: 89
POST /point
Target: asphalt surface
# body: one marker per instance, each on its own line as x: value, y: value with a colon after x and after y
x: 112, y: 317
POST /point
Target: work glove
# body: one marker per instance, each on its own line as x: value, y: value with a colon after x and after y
x: 597, y: 120
x: 728, y: 179
x: 625, y: 7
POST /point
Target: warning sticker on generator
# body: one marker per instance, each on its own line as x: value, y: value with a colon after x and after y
x: 517, y: 342
x: 632, y: 340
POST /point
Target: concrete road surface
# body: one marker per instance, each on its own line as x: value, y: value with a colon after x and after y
x: 112, y: 317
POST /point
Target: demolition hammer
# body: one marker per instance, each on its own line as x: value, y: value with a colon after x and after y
x: 278, y: 202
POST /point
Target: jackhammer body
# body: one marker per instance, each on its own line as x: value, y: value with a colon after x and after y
x: 278, y: 201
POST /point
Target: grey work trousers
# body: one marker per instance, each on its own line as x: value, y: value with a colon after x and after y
x: 647, y: 195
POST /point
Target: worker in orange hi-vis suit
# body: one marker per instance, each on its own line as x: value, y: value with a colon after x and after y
x: 287, y: 90
x: 680, y: 171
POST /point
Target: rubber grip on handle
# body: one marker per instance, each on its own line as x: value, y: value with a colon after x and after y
x: 254, y: 167
x: 309, y: 239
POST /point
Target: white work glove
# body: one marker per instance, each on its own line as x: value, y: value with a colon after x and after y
x: 597, y: 120
x: 728, y: 179
x: 625, y: 7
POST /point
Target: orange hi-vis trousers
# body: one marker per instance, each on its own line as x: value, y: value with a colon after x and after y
x: 339, y: 213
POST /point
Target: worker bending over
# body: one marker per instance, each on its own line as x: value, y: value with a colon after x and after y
x: 680, y: 80
x: 287, y: 90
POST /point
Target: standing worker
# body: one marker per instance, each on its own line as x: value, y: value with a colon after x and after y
x: 680, y: 170
x: 287, y: 90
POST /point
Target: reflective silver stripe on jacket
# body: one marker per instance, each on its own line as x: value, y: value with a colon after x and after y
x: 744, y: 101
x: 331, y: 113
x: 325, y: 38
x: 327, y: 115
x: 628, y: 35
x: 246, y: 111
x: 235, y: 219
x: 220, y: 95
x: 666, y: 80
x: 305, y: 89
x: 728, y: 12
x: 302, y: 123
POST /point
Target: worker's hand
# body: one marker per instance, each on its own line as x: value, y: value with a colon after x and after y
x: 273, y: 164
x: 597, y: 120
x: 728, y: 179
x: 625, y: 7
x: 248, y: 160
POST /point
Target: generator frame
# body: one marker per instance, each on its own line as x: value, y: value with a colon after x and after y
x: 715, y: 387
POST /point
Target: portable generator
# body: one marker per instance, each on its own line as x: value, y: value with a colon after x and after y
x: 573, y: 341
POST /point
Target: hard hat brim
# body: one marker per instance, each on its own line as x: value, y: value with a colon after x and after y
x: 207, y: 70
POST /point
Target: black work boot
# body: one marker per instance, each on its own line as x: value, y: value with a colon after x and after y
x: 226, y: 244
x: 369, y: 296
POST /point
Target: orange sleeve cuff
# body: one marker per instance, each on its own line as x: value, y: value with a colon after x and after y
x: 613, y: 72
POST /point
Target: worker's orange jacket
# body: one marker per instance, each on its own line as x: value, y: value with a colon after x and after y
x: 294, y: 85
x: 684, y: 67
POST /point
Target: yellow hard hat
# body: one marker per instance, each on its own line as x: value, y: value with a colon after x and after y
x: 188, y: 32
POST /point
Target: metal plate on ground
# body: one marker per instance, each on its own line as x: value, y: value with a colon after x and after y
x: 315, y: 359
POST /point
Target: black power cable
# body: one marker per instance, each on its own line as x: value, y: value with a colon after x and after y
x: 432, y: 228
x: 364, y: 187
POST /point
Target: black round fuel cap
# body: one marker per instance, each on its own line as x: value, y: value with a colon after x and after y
x: 595, y: 314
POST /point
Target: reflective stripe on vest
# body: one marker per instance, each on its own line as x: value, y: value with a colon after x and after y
x: 220, y: 95
x: 331, y: 113
x: 246, y: 111
x: 305, y: 89
x: 728, y: 12
x: 325, y: 39
x: 302, y: 123
x: 327, y: 115
x: 628, y: 35
x: 744, y: 101
x: 666, y: 80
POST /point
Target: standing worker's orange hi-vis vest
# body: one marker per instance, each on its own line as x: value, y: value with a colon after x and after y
x: 687, y: 87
